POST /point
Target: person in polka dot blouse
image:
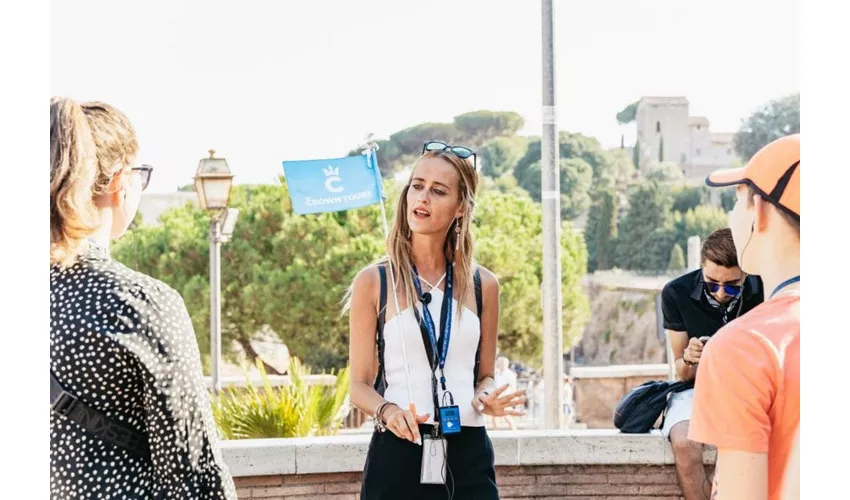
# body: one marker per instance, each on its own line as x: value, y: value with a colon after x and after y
x: 120, y: 341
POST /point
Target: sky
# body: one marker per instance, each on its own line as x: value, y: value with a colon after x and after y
x: 266, y: 81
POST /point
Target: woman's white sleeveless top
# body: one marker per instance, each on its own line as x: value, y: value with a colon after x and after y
x: 460, y: 361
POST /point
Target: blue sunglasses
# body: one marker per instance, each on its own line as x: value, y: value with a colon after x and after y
x: 732, y: 290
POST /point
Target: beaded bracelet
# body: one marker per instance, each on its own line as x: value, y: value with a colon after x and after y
x: 379, y: 416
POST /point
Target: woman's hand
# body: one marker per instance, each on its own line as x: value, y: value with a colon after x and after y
x: 403, y: 424
x: 495, y: 406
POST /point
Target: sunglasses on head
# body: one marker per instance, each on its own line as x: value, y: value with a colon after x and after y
x: 732, y: 290
x: 144, y: 172
x: 459, y: 151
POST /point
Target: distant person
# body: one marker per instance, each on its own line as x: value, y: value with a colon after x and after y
x: 130, y: 415
x: 695, y: 306
x: 446, y: 299
x: 747, y: 401
x: 504, y: 376
x: 569, y: 403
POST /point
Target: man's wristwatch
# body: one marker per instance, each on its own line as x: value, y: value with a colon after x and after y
x: 689, y: 363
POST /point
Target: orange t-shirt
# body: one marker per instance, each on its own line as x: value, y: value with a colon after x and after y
x: 747, y: 395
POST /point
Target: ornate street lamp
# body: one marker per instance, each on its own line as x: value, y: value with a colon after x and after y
x: 213, y: 182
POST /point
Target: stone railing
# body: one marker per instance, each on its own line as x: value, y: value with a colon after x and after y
x: 597, y: 390
x: 529, y: 464
x: 274, y: 380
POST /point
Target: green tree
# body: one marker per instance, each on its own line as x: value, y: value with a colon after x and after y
x: 645, y: 233
x: 659, y: 245
x: 410, y: 140
x: 390, y: 156
x: 573, y: 177
x: 700, y: 221
x: 576, y: 177
x: 677, y: 259
x: 689, y: 197
x: 500, y: 155
x: 477, y: 127
x: 506, y: 183
x: 626, y: 116
x: 636, y: 154
x: 279, y: 270
x: 471, y: 129
x: 773, y: 120
x: 288, y: 272
x: 663, y: 172
x: 576, y: 312
x: 508, y: 226
x: 621, y: 171
x: 728, y: 198
x: 601, y: 230
x: 571, y: 145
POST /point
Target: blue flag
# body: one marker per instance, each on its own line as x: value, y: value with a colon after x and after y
x: 333, y: 185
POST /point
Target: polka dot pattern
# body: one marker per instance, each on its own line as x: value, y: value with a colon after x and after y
x: 123, y: 343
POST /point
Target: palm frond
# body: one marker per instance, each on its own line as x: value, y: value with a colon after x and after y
x: 294, y: 410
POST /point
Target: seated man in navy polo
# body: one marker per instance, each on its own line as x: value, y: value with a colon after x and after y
x: 695, y: 306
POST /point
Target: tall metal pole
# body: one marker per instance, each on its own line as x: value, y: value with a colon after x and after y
x: 215, y: 300
x: 553, y: 359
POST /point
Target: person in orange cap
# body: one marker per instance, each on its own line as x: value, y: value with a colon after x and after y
x: 747, y: 400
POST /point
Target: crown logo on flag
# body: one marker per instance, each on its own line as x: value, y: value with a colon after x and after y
x: 331, y: 171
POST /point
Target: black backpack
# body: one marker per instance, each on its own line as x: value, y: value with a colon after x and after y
x: 637, y: 412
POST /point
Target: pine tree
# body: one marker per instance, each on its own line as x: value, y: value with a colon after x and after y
x: 636, y: 154
x: 661, y: 150
x: 677, y: 259
x: 601, y: 230
x: 645, y: 234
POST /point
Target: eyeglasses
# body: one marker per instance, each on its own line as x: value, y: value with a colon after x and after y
x: 145, y: 174
x: 459, y: 151
x: 732, y: 290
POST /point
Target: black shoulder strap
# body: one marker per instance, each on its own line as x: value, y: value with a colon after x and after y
x: 479, y: 302
x: 95, y: 421
x: 381, y: 378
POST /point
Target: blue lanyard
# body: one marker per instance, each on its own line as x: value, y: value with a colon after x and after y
x: 447, y: 318
x: 795, y: 279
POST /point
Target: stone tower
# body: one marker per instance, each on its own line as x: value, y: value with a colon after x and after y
x: 662, y: 129
x: 666, y: 132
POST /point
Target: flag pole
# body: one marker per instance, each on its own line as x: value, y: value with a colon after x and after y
x: 373, y: 159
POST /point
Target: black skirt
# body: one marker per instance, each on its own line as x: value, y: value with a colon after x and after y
x: 393, y: 468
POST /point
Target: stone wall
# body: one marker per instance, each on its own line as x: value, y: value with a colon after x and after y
x: 570, y: 482
x: 576, y: 464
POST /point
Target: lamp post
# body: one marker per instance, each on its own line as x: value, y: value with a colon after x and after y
x: 213, y: 182
x: 553, y: 343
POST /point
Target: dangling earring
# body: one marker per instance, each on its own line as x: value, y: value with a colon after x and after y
x: 409, y: 233
x: 457, y: 235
